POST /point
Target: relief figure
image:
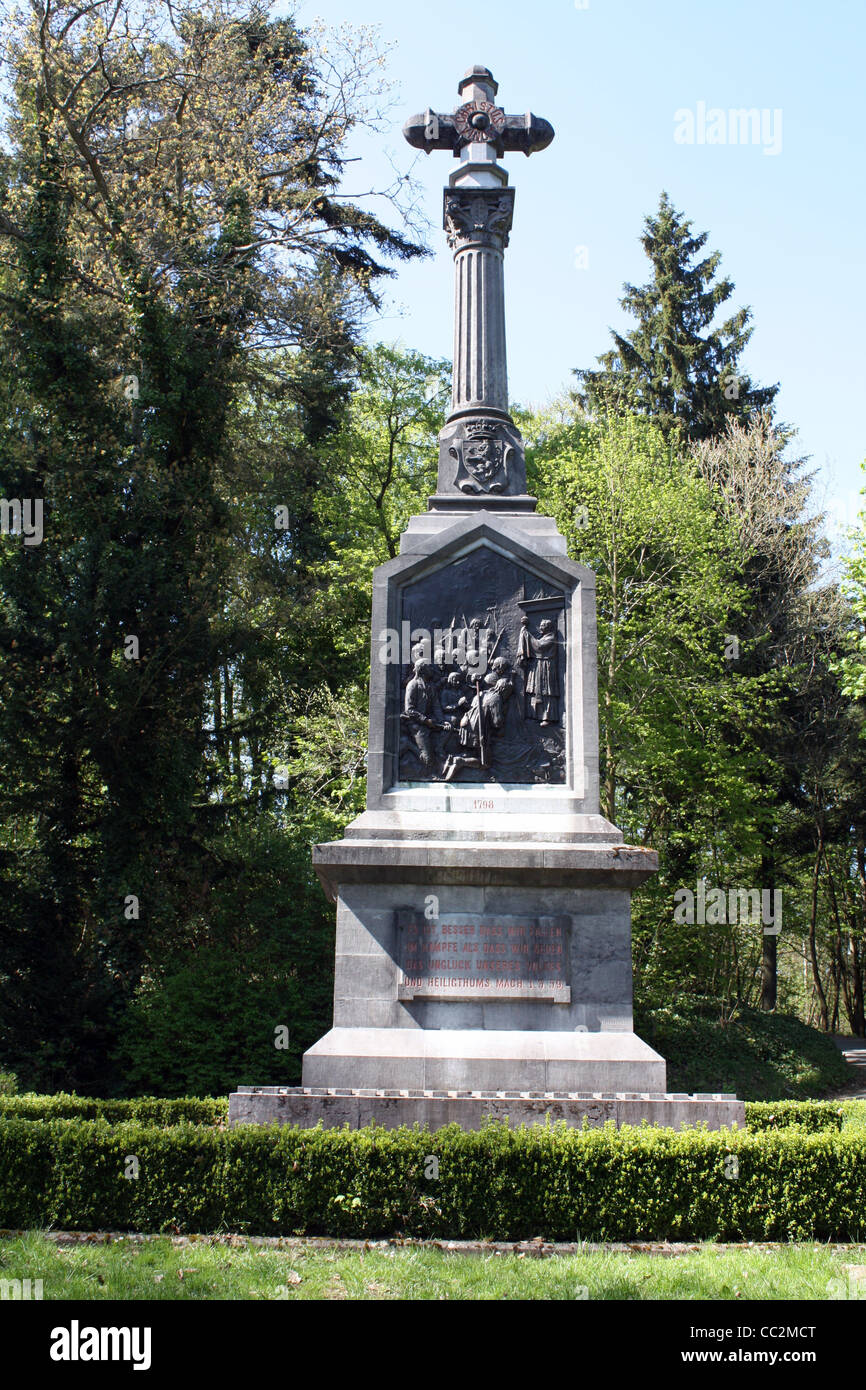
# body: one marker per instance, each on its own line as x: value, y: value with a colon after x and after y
x: 539, y: 657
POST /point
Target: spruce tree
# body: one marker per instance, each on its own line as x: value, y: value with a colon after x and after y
x: 674, y: 365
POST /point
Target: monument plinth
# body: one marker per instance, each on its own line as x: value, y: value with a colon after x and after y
x: 483, y: 956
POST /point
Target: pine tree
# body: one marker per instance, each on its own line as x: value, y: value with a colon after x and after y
x: 674, y: 365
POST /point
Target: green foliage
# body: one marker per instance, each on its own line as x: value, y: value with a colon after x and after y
x: 8, y: 1083
x: 812, y: 1116
x: 148, y: 1110
x: 754, y: 1054
x: 675, y: 365
x: 247, y: 1001
x: 383, y: 460
x: 680, y: 770
x: 182, y: 294
x: 726, y: 742
x: 498, y: 1183
x: 852, y: 665
x: 639, y: 515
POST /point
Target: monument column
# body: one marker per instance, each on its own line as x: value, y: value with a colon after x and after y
x: 478, y: 210
x: 483, y: 952
x: 481, y: 457
x: 480, y: 382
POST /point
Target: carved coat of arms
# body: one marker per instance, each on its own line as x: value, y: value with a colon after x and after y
x: 482, y: 458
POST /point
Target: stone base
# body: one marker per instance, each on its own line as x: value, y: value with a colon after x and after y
x: 478, y: 1059
x: 304, y: 1106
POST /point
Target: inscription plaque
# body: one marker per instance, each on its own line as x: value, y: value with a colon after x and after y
x: 464, y: 955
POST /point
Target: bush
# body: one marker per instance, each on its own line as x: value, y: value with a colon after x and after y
x: 8, y: 1083
x: 810, y: 1115
x: 149, y: 1110
x: 205, y: 1021
x: 758, y: 1055
x: 607, y: 1184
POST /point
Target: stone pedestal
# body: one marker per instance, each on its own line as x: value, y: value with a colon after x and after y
x: 468, y: 965
x: 483, y: 953
x: 305, y: 1106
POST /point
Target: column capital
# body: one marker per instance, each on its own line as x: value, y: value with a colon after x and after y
x: 478, y: 217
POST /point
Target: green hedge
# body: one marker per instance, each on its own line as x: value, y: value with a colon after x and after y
x: 149, y: 1110
x: 811, y: 1115
x: 562, y: 1184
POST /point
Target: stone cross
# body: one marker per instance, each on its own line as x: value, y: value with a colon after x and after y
x: 481, y: 452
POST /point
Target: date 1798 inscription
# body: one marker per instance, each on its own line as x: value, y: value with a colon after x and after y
x: 463, y: 955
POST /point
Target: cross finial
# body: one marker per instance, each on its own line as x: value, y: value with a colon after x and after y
x: 481, y: 454
x: 478, y: 120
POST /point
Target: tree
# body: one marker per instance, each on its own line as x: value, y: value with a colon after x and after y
x: 169, y: 211
x: 287, y: 727
x: 382, y: 464
x: 384, y: 457
x: 852, y: 666
x: 681, y: 768
x: 788, y: 634
x: 674, y: 365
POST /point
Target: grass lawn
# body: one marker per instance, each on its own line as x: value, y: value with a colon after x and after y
x: 236, y: 1268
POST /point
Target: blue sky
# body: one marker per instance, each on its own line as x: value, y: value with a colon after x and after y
x: 611, y: 76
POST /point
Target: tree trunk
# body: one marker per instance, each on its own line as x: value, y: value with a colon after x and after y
x: 823, y: 1014
x: 769, y: 949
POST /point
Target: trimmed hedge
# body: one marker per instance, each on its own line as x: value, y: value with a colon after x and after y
x: 148, y: 1110
x: 811, y: 1115
x: 607, y: 1184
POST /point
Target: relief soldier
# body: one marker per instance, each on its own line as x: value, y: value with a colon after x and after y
x: 483, y: 719
x: 421, y: 717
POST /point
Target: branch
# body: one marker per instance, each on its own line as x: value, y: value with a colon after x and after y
x: 12, y: 229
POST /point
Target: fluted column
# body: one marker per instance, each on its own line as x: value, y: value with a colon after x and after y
x: 478, y: 221
x: 480, y: 379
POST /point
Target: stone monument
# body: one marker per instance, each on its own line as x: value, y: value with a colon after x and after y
x: 483, y: 955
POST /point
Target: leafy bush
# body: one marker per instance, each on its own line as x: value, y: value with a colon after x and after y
x: 758, y: 1055
x: 148, y: 1110
x: 210, y: 1026
x: 554, y: 1182
x: 810, y: 1115
x: 8, y: 1083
